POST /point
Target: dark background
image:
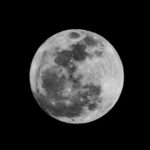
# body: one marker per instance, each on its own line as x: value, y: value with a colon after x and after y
x: 28, y: 26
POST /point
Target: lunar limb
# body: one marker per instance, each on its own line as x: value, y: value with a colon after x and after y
x: 106, y: 70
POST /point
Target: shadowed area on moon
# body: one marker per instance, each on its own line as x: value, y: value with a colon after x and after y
x: 54, y: 84
x: 74, y: 35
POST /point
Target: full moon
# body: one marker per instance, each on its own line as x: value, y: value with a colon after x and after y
x: 76, y: 76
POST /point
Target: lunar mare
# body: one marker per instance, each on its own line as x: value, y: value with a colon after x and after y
x: 106, y: 70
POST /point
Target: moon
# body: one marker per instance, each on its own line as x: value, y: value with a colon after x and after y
x: 104, y: 69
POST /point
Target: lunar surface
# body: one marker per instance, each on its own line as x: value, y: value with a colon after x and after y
x: 76, y: 76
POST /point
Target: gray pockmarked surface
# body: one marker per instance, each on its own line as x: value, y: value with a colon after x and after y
x: 76, y: 78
